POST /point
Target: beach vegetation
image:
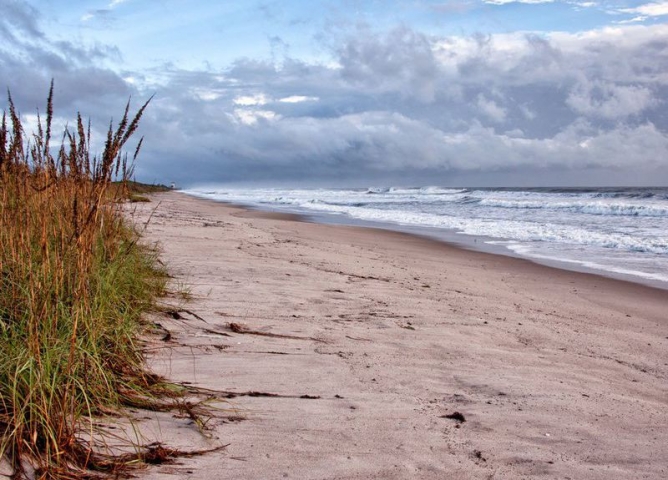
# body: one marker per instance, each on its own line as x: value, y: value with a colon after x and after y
x: 74, y: 282
x: 135, y: 192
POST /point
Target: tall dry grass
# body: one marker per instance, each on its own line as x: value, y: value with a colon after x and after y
x: 73, y: 284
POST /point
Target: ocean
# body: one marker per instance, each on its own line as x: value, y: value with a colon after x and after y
x: 618, y: 232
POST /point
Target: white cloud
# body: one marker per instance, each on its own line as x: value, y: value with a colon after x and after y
x: 656, y: 9
x: 251, y: 116
x: 627, y: 54
x: 298, y: 99
x: 252, y: 100
x: 631, y: 20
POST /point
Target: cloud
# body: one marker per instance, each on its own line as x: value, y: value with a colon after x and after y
x: 383, y: 143
x: 103, y: 14
x: 19, y: 18
x: 298, y: 99
x: 568, y: 103
x: 250, y: 100
x: 491, y: 109
x: 403, y: 59
x: 399, y: 105
x: 252, y: 116
x: 631, y: 20
x: 607, y: 100
x: 33, y: 59
x: 657, y: 9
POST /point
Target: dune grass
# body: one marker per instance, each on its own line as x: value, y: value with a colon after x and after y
x: 74, y: 282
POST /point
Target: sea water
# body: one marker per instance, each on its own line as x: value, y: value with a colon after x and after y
x: 621, y: 232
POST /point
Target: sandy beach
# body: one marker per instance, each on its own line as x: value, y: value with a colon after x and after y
x: 358, y: 353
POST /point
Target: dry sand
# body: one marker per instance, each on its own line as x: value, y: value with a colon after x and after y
x: 557, y: 374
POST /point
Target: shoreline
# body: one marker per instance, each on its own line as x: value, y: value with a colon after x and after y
x: 450, y: 238
x: 365, y: 340
x: 494, y: 247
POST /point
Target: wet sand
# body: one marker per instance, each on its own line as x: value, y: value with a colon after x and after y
x: 352, y: 346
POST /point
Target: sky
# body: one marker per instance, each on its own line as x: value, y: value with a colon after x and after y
x: 357, y: 93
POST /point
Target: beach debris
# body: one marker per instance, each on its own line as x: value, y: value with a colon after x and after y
x: 359, y: 339
x: 215, y: 332
x: 176, y: 314
x: 249, y: 394
x: 457, y: 416
x: 238, y: 328
x: 157, y: 454
x: 252, y: 393
x: 234, y: 419
x: 478, y: 454
x: 167, y: 334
